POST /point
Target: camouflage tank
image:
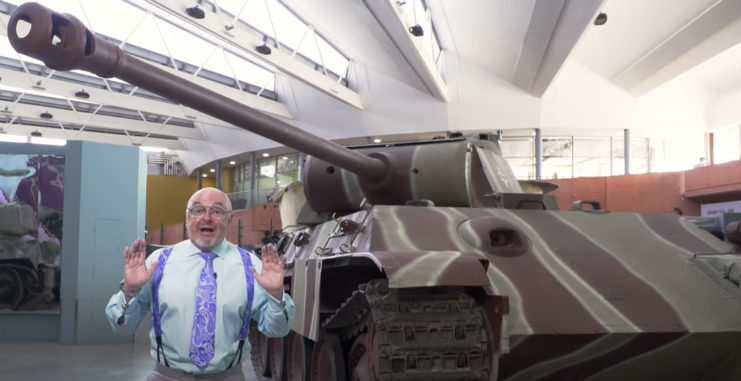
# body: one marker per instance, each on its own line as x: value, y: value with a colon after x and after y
x: 434, y: 265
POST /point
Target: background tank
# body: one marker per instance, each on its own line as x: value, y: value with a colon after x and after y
x: 435, y: 266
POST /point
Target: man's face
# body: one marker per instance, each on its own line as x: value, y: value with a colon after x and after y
x: 207, y: 231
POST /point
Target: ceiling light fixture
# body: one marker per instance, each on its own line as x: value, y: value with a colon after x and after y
x: 263, y: 49
x: 82, y: 94
x: 232, y: 162
x: 212, y: 170
x: 416, y: 30
x: 46, y: 115
x: 4, y: 137
x: 36, y: 134
x: 265, y: 154
x: 48, y: 141
x: 195, y: 12
x: 601, y: 19
x: 377, y: 140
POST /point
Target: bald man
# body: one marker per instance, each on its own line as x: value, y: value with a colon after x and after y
x: 201, y: 293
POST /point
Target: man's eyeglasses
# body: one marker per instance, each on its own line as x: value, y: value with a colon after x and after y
x: 215, y: 213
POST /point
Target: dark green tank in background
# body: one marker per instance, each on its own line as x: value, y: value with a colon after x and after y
x: 427, y: 261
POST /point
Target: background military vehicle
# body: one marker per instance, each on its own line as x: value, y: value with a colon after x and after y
x: 428, y: 262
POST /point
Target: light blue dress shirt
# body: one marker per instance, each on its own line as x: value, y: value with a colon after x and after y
x: 177, y: 295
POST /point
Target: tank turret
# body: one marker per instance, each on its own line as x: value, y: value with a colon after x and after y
x: 451, y: 272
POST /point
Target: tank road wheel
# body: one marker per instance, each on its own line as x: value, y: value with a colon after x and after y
x: 419, y: 334
x: 259, y: 353
x: 298, y: 352
x: 277, y: 358
x: 327, y: 362
x: 12, y: 289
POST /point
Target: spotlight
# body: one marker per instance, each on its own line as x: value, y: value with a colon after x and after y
x: 416, y: 30
x: 601, y: 19
x: 82, y: 94
x: 36, y: 134
x: 46, y: 115
x: 264, y: 49
x: 195, y: 12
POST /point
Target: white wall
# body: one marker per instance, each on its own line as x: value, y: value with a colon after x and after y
x: 578, y: 98
x: 678, y: 108
x: 725, y: 110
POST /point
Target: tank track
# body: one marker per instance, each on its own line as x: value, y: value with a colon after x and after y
x: 419, y: 334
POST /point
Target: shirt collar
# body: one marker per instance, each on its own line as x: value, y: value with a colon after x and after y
x: 220, y: 250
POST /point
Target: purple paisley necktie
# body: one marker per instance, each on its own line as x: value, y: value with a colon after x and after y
x: 202, y: 338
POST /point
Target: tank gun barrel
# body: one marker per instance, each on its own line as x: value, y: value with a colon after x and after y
x: 62, y: 42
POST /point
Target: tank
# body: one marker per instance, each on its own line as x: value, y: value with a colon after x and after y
x: 427, y: 261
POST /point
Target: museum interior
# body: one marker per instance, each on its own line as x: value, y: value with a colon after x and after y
x: 594, y: 145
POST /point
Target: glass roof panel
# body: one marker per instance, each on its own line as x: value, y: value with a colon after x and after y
x: 246, y: 69
x: 256, y: 14
x: 290, y: 29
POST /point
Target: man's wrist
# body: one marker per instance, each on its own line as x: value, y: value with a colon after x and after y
x: 128, y: 291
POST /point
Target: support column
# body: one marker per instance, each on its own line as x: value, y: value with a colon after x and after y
x: 253, y: 183
x: 219, y: 169
x: 626, y: 150
x: 199, y: 180
x: 538, y: 154
x: 711, y: 148
x: 300, y: 167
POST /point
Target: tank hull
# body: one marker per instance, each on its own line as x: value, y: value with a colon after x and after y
x: 583, y: 295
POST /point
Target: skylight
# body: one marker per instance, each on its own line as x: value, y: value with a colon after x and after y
x: 141, y: 31
x: 274, y: 20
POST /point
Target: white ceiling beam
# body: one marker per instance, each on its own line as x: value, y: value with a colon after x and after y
x: 573, y: 19
x: 241, y: 41
x: 540, y: 30
x: 388, y: 14
x: 712, y: 32
x: 57, y: 133
x: 97, y: 120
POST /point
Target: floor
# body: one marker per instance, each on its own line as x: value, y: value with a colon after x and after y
x: 42, y: 361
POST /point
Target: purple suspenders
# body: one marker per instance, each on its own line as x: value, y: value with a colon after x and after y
x: 157, y: 278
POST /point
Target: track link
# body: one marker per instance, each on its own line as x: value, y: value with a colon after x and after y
x: 416, y: 334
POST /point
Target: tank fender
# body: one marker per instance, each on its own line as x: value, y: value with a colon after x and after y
x: 430, y: 268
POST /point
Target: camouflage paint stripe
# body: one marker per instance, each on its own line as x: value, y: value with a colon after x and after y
x: 443, y: 268
x: 711, y: 240
x: 298, y: 294
x: 678, y: 360
x: 540, y: 348
x: 313, y: 292
x: 658, y: 262
x: 389, y: 231
x: 669, y: 227
x: 606, y: 317
x: 549, y: 306
x: 630, y: 295
x: 595, y: 348
x: 643, y: 343
x: 417, y: 223
x: 515, y: 321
